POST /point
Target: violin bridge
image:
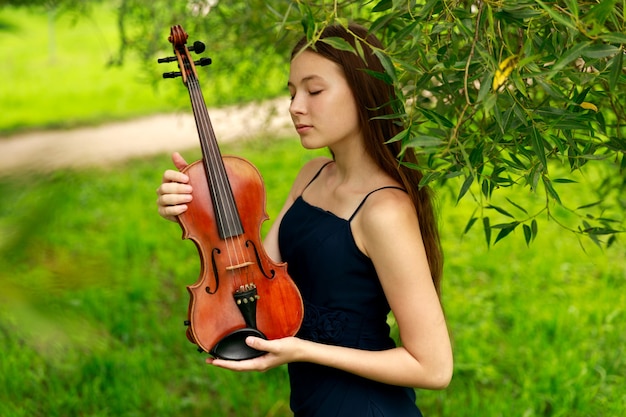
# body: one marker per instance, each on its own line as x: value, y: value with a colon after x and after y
x: 238, y: 266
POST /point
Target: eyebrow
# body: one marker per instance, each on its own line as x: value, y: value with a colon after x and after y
x: 305, y: 79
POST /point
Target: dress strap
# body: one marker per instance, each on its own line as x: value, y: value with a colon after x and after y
x: 315, y: 176
x: 370, y: 193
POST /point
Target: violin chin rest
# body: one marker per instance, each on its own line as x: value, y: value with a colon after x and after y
x: 233, y: 346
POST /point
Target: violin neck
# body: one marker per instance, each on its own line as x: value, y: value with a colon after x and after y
x: 224, y: 206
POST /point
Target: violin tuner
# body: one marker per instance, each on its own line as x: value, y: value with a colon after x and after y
x: 197, y: 47
x: 168, y: 59
x: 203, y: 61
x: 172, y: 74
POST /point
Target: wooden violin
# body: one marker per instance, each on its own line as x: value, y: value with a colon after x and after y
x: 240, y: 292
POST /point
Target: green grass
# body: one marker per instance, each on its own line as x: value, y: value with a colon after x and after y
x: 94, y: 297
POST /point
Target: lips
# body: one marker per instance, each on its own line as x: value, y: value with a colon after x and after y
x: 302, y: 128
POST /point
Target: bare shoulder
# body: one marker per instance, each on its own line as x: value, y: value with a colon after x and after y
x: 386, y: 207
x: 307, y: 172
x: 388, y: 217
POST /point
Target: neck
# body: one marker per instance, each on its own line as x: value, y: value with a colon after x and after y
x: 354, y: 166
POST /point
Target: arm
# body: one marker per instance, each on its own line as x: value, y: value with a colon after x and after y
x: 390, y: 235
x: 387, y: 230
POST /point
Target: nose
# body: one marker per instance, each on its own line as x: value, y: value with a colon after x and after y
x: 297, y: 105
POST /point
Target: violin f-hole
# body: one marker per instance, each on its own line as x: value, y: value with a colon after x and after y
x: 216, y: 274
x: 272, y: 273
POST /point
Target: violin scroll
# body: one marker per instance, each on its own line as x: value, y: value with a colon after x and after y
x: 178, y: 38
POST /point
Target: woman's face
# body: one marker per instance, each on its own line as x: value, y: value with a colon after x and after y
x: 322, y: 108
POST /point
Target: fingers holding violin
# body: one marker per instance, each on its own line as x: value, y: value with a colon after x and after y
x: 171, y: 212
x: 173, y: 198
x: 174, y: 176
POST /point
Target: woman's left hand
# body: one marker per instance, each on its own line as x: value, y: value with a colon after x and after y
x: 279, y: 352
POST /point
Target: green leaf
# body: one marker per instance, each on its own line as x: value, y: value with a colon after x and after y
x: 535, y: 173
x: 436, y: 117
x: 517, y: 205
x: 387, y: 65
x: 528, y: 234
x: 400, y: 136
x: 537, y: 143
x: 614, y: 37
x: 595, y: 157
x: 487, y: 229
x: 505, y: 230
x: 429, y: 177
x: 589, y: 205
x: 601, y: 231
x: 600, y: 51
x: 466, y: 185
x: 550, y: 189
x: 359, y: 50
x: 469, y: 224
x: 572, y: 6
x: 601, y: 11
x: 424, y: 141
x: 390, y: 116
x: 533, y: 227
x: 383, y: 5
x: 616, y: 69
x: 557, y: 16
x: 572, y: 54
x: 338, y: 43
x: 378, y: 75
x: 501, y: 210
x: 487, y: 188
x: 515, y: 162
x: 564, y: 181
x: 308, y: 21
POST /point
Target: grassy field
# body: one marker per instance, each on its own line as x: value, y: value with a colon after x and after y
x: 94, y: 298
x: 92, y: 280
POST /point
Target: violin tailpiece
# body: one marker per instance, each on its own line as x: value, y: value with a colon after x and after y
x: 246, y: 297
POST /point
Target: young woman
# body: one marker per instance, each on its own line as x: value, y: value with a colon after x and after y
x: 359, y: 237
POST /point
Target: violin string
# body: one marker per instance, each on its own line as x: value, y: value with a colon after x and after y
x: 227, y: 206
x: 209, y: 154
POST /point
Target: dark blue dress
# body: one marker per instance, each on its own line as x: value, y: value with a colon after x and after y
x: 344, y: 305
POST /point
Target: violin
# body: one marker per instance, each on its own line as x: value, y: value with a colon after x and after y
x: 240, y: 292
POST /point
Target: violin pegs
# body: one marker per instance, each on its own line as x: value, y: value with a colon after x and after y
x: 203, y: 61
x: 168, y: 59
x: 197, y: 47
x: 172, y: 74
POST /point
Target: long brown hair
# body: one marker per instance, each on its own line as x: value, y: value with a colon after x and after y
x: 374, y: 98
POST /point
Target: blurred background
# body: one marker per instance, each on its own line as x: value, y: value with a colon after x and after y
x: 93, y: 282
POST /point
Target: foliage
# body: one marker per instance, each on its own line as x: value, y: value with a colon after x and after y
x: 505, y: 94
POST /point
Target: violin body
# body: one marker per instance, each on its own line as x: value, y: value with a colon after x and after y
x: 212, y: 313
x: 241, y: 292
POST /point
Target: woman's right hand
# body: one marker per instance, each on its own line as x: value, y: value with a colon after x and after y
x: 174, y: 192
